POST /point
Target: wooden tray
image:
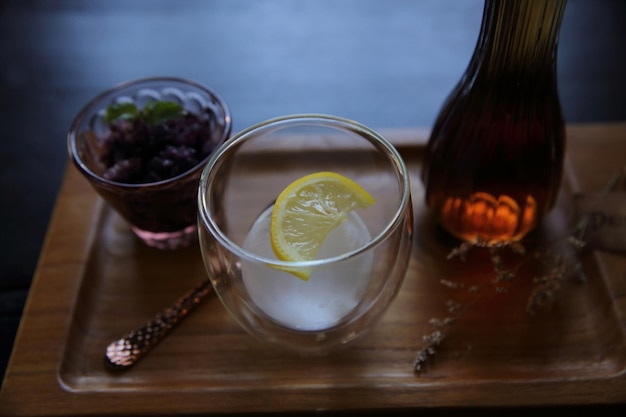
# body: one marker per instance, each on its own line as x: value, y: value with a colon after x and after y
x: 95, y: 282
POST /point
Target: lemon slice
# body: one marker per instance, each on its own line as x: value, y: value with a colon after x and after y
x: 307, y: 210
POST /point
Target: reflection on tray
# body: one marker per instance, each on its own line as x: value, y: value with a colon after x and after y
x: 532, y: 293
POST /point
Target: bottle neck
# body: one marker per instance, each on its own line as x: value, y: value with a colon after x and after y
x: 518, y: 38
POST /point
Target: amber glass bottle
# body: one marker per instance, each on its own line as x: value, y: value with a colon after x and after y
x: 494, y: 160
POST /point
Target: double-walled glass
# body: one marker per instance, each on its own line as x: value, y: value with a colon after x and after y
x: 346, y: 292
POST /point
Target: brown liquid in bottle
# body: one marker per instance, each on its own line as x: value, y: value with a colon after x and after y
x: 494, y: 160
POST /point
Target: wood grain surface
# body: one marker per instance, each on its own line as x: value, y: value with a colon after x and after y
x: 94, y: 282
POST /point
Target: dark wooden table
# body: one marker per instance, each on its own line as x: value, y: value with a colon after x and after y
x: 383, y: 63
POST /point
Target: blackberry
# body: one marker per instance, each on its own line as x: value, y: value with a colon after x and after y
x: 136, y: 152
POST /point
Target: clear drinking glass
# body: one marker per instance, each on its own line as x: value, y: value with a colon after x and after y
x: 346, y: 293
x: 163, y: 212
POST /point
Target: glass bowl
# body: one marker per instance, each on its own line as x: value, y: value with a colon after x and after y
x: 162, y: 209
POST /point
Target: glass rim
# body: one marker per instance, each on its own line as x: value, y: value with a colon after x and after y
x: 305, y: 118
x: 91, y: 105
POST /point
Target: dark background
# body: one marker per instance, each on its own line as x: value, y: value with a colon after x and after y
x: 385, y: 63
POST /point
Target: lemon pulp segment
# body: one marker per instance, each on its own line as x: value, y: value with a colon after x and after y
x: 307, y: 210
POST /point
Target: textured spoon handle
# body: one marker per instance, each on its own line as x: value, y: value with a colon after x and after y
x: 125, y: 352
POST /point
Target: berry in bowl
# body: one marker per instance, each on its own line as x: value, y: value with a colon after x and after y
x: 142, y: 146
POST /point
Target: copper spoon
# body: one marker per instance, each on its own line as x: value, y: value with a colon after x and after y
x: 125, y: 352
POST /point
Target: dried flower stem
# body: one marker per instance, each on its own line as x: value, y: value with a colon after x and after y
x: 560, y: 267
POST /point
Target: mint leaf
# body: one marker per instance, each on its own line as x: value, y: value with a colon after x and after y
x: 157, y: 112
x: 120, y: 111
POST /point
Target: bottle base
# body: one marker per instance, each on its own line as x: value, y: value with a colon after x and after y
x: 485, y: 220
